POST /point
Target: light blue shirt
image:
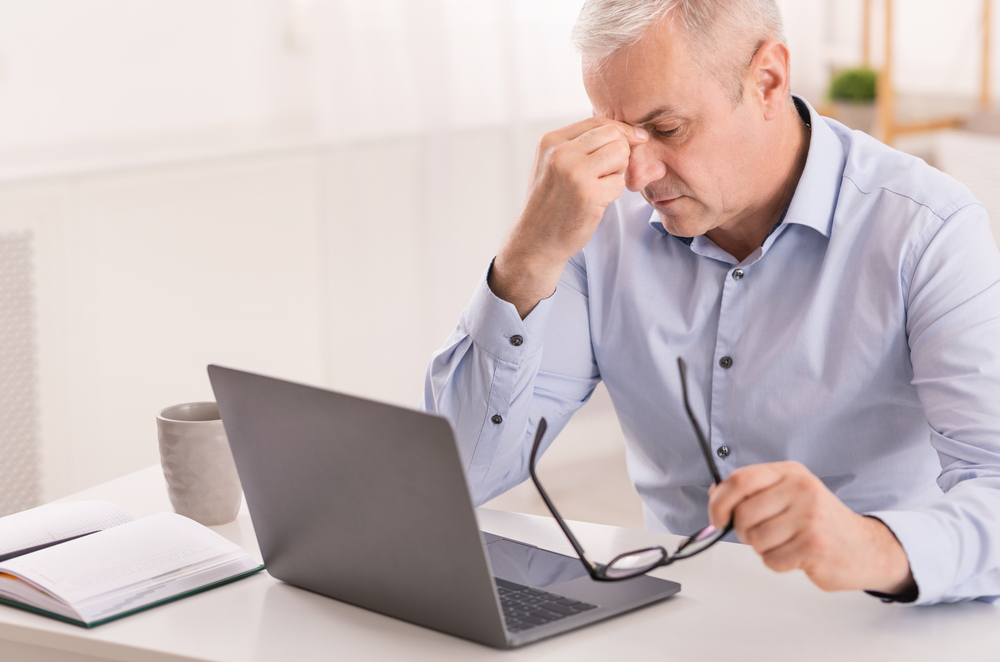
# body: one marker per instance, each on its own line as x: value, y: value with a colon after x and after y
x: 863, y: 337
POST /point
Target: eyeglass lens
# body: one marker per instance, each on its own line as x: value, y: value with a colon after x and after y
x: 700, y: 541
x: 635, y: 563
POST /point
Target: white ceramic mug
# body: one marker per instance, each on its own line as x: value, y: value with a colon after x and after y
x: 201, y: 476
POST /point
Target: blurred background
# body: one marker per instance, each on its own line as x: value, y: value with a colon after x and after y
x: 311, y: 189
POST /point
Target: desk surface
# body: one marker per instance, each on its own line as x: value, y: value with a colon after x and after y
x: 730, y: 608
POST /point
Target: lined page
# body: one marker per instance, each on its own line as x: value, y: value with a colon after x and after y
x: 82, y: 569
x: 178, y: 583
x: 57, y: 521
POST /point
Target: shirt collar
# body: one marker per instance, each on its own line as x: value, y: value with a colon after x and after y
x: 816, y: 193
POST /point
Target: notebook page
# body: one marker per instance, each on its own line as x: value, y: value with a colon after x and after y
x: 82, y: 569
x: 174, y: 584
x: 15, y: 589
x: 57, y: 521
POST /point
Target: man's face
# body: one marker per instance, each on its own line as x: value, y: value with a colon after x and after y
x: 701, y: 165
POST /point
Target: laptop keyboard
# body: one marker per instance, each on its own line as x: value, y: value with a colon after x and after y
x: 525, y: 607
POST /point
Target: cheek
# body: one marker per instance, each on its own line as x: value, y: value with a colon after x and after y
x: 727, y: 165
x: 696, y: 166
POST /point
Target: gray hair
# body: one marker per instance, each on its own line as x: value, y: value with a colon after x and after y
x: 713, y: 27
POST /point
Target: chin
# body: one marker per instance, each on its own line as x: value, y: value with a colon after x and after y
x: 680, y: 227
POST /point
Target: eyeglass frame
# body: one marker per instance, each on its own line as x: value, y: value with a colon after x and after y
x: 597, y: 571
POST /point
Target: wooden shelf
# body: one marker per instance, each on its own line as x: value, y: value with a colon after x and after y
x: 890, y: 126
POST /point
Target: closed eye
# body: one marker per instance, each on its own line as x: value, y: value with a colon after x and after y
x: 668, y: 133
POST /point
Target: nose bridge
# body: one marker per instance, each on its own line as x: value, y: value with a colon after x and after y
x: 643, y: 167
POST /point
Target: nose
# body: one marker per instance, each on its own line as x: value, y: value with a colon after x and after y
x: 643, y: 167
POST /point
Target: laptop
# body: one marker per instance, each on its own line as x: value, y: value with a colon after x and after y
x: 367, y: 503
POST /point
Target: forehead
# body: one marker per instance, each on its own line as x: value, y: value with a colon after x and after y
x: 657, y: 72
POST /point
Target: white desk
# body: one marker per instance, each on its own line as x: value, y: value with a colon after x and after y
x: 730, y: 608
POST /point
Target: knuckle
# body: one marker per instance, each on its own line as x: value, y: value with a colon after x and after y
x: 574, y: 176
x: 777, y: 563
x: 814, y: 546
x: 795, y: 468
x: 560, y: 159
x: 738, y: 478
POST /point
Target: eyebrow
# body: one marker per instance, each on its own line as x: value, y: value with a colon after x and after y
x: 663, y: 110
x: 652, y: 115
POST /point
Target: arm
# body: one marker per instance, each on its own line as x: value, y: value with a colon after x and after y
x: 949, y: 549
x: 953, y: 325
x: 490, y: 379
x: 577, y: 173
x: 479, y: 374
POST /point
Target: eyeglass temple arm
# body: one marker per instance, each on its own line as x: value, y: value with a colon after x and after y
x: 591, y: 568
x: 705, y: 448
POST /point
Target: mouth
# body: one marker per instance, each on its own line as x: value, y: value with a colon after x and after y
x: 664, y: 203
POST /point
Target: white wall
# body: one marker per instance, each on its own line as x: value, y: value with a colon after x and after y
x: 146, y: 276
x: 319, y: 182
x: 75, y: 71
x: 85, y: 71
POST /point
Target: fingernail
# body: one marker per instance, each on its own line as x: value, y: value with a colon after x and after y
x: 640, y: 133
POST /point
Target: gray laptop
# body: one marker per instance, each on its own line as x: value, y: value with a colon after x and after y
x: 367, y: 503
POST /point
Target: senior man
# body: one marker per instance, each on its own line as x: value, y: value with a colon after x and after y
x: 836, y: 302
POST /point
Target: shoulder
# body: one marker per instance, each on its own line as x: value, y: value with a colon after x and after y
x: 878, y: 176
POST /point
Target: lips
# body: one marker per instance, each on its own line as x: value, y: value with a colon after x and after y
x: 660, y: 197
x: 665, y: 202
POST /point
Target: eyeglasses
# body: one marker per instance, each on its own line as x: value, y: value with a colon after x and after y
x: 639, y: 562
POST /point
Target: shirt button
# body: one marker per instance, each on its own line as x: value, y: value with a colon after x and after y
x: 737, y: 274
x: 726, y: 362
x: 723, y: 452
x: 516, y: 341
x: 497, y: 419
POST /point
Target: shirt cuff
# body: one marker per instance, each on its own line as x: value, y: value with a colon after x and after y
x: 910, y: 595
x: 495, y: 326
x: 926, y: 547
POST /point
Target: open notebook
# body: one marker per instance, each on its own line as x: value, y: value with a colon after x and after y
x: 88, y: 563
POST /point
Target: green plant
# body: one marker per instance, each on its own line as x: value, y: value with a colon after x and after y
x: 853, y: 85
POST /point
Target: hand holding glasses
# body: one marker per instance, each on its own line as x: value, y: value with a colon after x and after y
x: 639, y: 562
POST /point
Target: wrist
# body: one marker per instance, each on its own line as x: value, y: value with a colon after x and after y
x: 523, y: 279
x: 892, y: 575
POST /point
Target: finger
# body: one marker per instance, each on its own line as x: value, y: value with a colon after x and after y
x: 764, y: 505
x: 611, y: 187
x: 742, y: 483
x: 611, y: 159
x: 768, y: 534
x: 635, y: 135
x: 785, y: 557
x: 598, y: 137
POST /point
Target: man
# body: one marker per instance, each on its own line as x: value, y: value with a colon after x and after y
x: 837, y: 303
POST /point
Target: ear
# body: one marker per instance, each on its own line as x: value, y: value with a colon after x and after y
x: 770, y: 78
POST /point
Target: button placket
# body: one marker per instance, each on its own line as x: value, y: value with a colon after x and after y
x: 732, y: 309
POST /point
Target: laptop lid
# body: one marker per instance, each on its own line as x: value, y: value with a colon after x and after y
x: 367, y: 503
x: 360, y: 501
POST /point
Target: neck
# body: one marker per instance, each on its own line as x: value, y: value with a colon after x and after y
x: 744, y: 235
